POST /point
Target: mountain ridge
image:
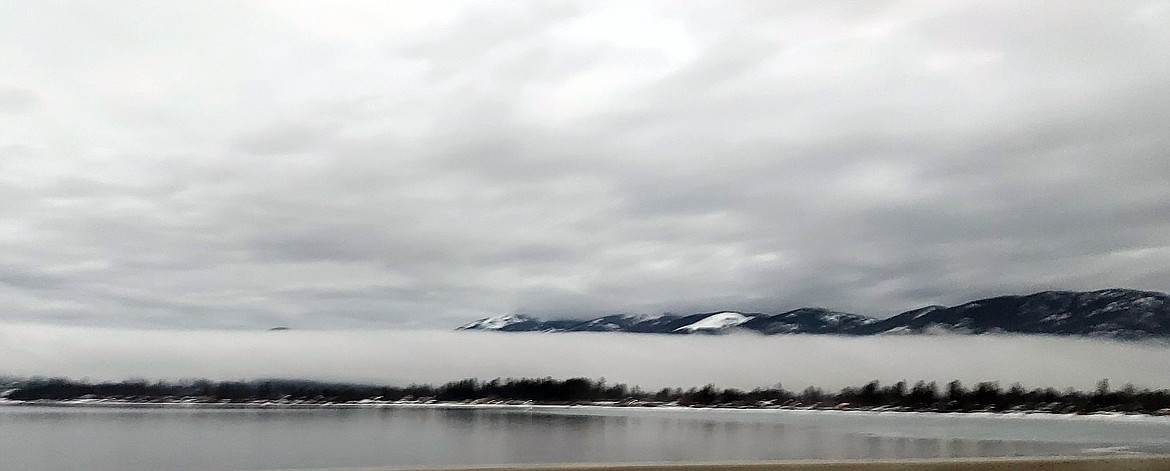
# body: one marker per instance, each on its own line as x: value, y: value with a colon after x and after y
x: 1108, y: 313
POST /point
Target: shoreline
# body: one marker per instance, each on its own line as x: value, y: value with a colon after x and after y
x: 1055, y: 463
x: 536, y: 407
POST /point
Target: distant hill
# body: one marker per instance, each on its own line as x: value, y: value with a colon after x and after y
x: 1110, y: 313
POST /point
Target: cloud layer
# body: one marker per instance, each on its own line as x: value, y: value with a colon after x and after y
x: 652, y: 361
x: 370, y: 164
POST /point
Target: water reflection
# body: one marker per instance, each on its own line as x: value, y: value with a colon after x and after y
x: 37, y: 438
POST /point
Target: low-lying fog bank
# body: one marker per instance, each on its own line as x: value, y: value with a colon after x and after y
x: 652, y: 361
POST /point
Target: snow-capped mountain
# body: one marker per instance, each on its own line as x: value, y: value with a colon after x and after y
x: 1116, y: 313
x: 518, y: 323
x: 496, y: 323
x: 1113, y: 313
x: 807, y: 320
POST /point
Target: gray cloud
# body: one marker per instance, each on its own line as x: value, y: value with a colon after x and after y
x: 17, y: 100
x: 419, y: 167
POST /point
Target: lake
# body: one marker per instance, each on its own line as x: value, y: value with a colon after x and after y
x: 171, y: 439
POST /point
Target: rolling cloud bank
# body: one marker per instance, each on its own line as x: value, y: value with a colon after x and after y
x: 738, y: 360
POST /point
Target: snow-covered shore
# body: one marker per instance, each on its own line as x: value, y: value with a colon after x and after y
x: 561, y: 408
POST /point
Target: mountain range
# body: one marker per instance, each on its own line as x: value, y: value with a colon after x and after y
x: 1109, y: 313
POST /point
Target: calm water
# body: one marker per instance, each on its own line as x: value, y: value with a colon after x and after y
x: 107, y: 439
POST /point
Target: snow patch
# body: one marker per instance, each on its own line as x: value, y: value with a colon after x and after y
x: 494, y: 323
x: 924, y: 311
x: 1058, y: 317
x: 899, y: 330
x: 719, y: 321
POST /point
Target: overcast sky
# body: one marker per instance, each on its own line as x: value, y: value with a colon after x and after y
x: 325, y: 165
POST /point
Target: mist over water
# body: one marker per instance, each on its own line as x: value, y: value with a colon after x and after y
x: 651, y: 361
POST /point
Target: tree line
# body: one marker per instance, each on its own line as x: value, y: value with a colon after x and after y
x: 921, y: 396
